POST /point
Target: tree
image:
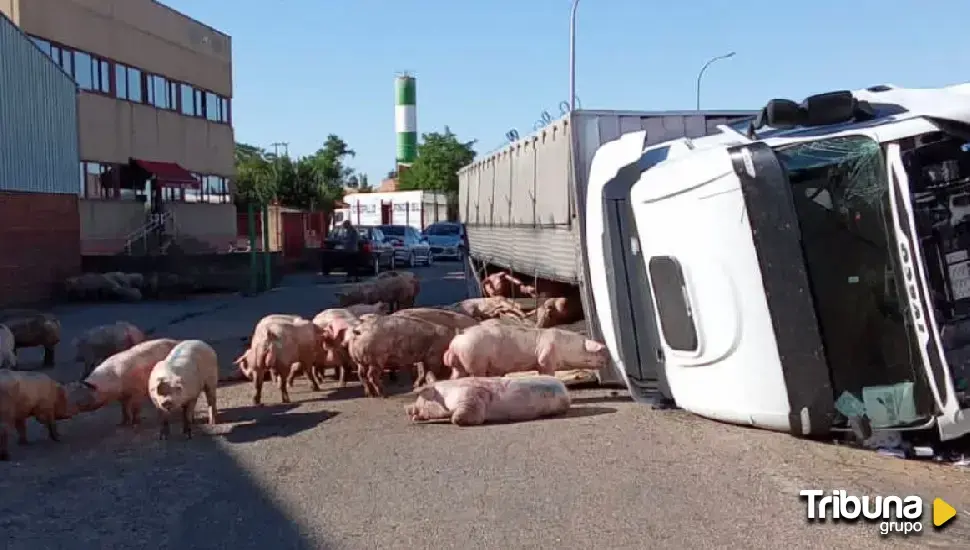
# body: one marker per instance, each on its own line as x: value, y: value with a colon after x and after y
x: 440, y: 156
x: 314, y: 181
x: 255, y: 179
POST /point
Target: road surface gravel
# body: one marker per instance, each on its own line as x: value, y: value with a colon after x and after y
x: 334, y: 470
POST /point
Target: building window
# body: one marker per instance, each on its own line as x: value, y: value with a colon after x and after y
x: 95, y: 74
x: 92, y: 185
x: 121, y: 81
x: 187, y: 99
x: 134, y: 85
x: 212, y: 106
x: 673, y: 306
x: 84, y: 70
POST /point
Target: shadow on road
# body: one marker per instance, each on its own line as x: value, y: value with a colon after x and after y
x: 580, y: 412
x: 277, y: 425
x: 131, y: 491
x: 602, y: 399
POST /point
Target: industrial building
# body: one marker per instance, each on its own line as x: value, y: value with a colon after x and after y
x: 39, y: 223
x: 154, y: 116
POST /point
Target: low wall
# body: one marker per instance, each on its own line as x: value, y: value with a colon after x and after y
x: 209, y: 272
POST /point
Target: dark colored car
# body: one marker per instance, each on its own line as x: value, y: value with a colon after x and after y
x: 372, y: 252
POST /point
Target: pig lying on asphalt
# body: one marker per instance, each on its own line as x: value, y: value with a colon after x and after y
x: 175, y: 383
x: 26, y: 394
x: 8, y: 347
x: 99, y: 343
x: 123, y: 377
x: 487, y: 308
x: 396, y: 343
x: 443, y: 317
x: 32, y: 328
x: 475, y: 401
x: 277, y: 346
x: 494, y: 348
x: 559, y: 311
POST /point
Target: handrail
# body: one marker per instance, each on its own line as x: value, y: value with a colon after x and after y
x: 157, y: 221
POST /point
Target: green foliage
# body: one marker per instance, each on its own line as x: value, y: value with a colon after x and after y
x: 440, y: 156
x: 314, y: 181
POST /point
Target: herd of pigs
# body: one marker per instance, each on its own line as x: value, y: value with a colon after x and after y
x: 458, y: 356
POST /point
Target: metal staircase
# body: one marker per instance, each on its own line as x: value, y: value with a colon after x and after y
x: 158, y: 224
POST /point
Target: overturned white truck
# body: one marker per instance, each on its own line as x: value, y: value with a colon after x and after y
x: 524, y: 205
x: 802, y: 270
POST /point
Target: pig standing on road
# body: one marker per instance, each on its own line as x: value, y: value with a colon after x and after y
x: 99, y: 343
x: 487, y: 308
x: 496, y: 349
x: 277, y: 346
x: 335, y: 325
x: 26, y: 394
x: 391, y: 342
x: 400, y: 287
x: 8, y: 354
x: 122, y: 377
x: 189, y: 370
x: 32, y: 328
x: 474, y: 401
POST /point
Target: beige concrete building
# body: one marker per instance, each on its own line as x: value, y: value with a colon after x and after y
x: 155, y: 115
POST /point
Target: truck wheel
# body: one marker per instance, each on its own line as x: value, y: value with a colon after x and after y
x: 377, y: 265
x: 393, y: 261
x: 430, y: 259
x: 411, y: 261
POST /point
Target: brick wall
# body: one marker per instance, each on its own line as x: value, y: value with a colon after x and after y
x: 40, y: 245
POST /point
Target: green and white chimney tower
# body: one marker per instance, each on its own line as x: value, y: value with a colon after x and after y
x: 406, y: 119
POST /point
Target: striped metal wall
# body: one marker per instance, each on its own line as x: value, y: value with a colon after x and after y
x: 38, y: 119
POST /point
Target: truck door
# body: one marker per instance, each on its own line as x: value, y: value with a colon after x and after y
x: 630, y: 295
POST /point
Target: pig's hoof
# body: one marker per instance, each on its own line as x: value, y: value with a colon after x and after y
x: 162, y: 436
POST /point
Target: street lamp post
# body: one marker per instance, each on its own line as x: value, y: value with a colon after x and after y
x: 700, y: 75
x: 572, y: 56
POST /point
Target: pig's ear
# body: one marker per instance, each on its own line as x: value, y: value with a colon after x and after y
x: 241, y: 359
x: 593, y: 346
x: 88, y: 385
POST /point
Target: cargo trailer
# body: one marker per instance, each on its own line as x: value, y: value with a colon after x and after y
x: 524, y: 205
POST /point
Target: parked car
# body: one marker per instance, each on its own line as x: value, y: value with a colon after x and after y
x: 447, y: 239
x: 373, y: 252
x: 409, y: 246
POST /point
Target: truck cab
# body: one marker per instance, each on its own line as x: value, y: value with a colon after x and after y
x: 809, y: 267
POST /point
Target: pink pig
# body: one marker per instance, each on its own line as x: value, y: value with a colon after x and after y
x: 474, y: 401
x: 493, y: 348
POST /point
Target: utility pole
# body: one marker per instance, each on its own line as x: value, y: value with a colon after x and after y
x: 267, y: 257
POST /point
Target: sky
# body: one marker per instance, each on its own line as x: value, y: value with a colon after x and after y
x: 303, y: 69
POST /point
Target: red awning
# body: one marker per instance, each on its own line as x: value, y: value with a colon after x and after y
x: 169, y: 174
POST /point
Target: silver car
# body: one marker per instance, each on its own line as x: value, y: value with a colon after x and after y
x: 409, y: 246
x: 447, y: 239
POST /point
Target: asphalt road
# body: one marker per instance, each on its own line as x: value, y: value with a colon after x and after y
x: 334, y: 470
